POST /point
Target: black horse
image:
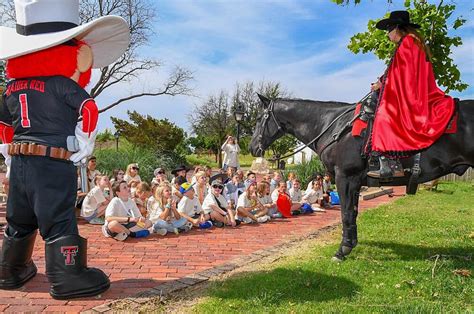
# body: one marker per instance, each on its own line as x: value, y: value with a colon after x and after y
x: 308, y: 120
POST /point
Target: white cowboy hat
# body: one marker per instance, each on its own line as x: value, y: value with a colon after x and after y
x: 42, y: 24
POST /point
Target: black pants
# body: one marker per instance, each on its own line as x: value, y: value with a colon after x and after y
x: 42, y: 195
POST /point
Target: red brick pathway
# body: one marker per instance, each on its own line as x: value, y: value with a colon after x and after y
x: 140, y: 264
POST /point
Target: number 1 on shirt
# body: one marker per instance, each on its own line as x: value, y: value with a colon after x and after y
x: 25, y: 120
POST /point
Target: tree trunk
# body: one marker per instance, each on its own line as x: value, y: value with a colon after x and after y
x: 219, y: 158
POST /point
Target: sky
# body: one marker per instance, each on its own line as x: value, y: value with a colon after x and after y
x: 302, y: 44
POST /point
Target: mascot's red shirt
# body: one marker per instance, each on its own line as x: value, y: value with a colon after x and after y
x: 413, y: 112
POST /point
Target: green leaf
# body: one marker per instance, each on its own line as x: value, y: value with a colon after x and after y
x: 433, y: 20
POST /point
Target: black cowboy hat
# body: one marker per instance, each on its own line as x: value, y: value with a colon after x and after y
x: 180, y: 168
x: 401, y: 18
x: 220, y: 176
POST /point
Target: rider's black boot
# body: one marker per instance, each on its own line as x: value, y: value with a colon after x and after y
x: 67, y: 271
x: 16, y: 265
x: 388, y: 168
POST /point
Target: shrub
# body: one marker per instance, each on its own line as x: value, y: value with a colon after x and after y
x: 306, y: 171
x: 109, y: 159
x: 203, y: 160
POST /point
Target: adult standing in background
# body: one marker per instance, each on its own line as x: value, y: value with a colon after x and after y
x: 231, y: 151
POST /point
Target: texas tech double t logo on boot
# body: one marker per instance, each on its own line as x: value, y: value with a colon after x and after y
x: 67, y: 271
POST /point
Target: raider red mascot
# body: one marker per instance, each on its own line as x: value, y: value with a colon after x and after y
x: 49, y: 61
x: 412, y: 112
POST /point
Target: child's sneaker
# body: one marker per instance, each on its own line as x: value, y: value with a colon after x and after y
x: 296, y: 212
x: 97, y: 221
x: 247, y: 220
x: 160, y: 231
x: 205, y: 225
x: 188, y: 226
x: 277, y: 215
x: 318, y: 209
x: 121, y: 236
x: 263, y: 219
x: 140, y: 233
x: 218, y: 224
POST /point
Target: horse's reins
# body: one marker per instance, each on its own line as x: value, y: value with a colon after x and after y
x: 335, y: 136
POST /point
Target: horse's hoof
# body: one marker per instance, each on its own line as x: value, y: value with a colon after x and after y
x: 336, y: 259
x: 346, y: 250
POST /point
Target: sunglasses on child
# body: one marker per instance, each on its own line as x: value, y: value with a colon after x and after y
x: 218, y: 187
x: 135, y: 168
x: 161, y: 172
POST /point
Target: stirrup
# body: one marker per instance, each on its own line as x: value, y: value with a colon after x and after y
x: 388, y: 169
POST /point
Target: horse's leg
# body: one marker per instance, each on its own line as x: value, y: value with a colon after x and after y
x: 348, y: 188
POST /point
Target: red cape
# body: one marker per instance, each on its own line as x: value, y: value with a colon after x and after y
x: 413, y: 112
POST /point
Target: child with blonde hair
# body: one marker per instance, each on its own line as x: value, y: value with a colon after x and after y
x: 163, y: 214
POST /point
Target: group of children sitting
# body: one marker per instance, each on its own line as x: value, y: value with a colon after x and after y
x: 127, y: 207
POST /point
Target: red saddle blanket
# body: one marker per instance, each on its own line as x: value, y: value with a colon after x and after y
x: 359, y: 126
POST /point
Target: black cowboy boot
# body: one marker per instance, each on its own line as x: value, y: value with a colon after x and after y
x: 67, y: 271
x: 16, y: 265
x: 388, y: 168
x: 397, y: 168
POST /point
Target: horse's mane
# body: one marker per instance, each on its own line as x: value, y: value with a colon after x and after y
x: 329, y: 104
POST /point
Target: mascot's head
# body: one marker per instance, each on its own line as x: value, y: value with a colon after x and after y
x: 48, y: 40
x: 72, y: 59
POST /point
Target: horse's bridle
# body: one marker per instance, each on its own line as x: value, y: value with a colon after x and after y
x: 267, y: 112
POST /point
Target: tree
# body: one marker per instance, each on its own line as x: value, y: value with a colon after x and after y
x: 246, y: 95
x: 140, y: 15
x: 105, y: 136
x: 212, y: 122
x: 283, y: 145
x: 159, y: 135
x: 433, y: 20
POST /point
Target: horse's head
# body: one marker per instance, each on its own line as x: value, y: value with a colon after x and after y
x: 267, y: 129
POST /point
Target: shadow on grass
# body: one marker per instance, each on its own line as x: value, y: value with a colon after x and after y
x: 407, y: 252
x: 283, y: 285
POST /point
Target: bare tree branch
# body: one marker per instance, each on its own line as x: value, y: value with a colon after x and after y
x: 175, y: 85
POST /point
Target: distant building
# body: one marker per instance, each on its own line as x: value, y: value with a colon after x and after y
x: 303, y: 156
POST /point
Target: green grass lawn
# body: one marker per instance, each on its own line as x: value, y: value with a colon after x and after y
x: 210, y: 160
x: 411, y: 258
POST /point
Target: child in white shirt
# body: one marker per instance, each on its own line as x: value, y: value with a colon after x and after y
x: 96, y: 201
x: 295, y: 191
x: 217, y: 207
x: 163, y: 214
x: 122, y: 216
x: 315, y: 197
x: 189, y: 206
